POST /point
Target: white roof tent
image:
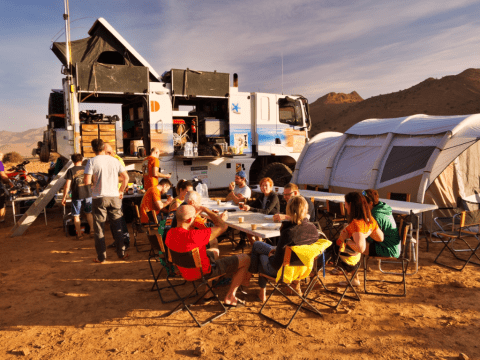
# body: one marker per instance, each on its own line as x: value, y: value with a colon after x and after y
x: 435, y: 159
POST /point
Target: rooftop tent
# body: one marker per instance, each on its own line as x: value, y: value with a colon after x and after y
x: 105, y: 61
x: 433, y: 158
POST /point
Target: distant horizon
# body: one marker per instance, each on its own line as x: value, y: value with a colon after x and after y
x: 372, y: 47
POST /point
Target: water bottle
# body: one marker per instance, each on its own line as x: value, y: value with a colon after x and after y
x: 135, y: 189
x: 195, y: 149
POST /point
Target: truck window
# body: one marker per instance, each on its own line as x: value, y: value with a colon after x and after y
x: 290, y: 112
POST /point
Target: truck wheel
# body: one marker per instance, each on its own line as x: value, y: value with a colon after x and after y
x: 44, y: 153
x: 278, y: 172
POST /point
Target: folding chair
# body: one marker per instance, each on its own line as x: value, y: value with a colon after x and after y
x: 334, y: 265
x: 404, y: 231
x: 289, y: 262
x: 137, y: 227
x: 334, y: 216
x: 461, y: 229
x: 192, y: 260
x: 158, y: 254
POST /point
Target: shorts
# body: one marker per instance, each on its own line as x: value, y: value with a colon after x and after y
x: 227, y: 265
x: 78, y: 204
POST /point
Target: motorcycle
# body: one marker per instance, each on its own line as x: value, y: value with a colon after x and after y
x: 25, y: 183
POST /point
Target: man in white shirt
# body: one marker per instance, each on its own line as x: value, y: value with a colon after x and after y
x: 239, y: 191
x: 102, y: 172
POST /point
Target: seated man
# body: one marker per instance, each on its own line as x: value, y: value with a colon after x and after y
x: 239, y: 191
x: 290, y: 190
x: 152, y: 200
x: 182, y: 239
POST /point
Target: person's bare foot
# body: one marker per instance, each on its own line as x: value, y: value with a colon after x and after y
x: 233, y: 301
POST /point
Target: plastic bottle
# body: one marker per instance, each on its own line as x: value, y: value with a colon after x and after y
x: 135, y: 188
x: 195, y: 149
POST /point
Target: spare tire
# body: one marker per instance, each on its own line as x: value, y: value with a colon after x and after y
x: 278, y: 172
x: 44, y: 153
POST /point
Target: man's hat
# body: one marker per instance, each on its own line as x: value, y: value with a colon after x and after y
x: 241, y: 174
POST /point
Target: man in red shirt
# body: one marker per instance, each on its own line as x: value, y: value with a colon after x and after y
x: 182, y: 239
x: 152, y: 200
x: 151, y: 169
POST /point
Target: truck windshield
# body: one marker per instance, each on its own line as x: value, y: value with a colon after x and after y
x: 290, y: 112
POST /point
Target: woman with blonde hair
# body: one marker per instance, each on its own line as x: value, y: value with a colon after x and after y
x: 268, y: 259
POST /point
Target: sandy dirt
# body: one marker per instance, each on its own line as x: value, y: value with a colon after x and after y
x: 55, y: 303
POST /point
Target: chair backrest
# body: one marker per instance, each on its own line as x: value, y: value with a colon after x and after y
x: 156, y: 242
x: 404, y: 232
x: 336, y: 208
x: 469, y: 218
x: 399, y: 196
x: 137, y: 211
x: 188, y: 260
x: 152, y: 217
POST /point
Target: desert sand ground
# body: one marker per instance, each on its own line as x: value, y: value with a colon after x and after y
x: 55, y: 303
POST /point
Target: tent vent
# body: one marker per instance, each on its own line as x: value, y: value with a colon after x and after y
x: 404, y: 160
x: 111, y: 58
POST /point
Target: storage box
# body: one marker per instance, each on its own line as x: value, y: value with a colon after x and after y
x: 134, y: 145
x: 215, y: 127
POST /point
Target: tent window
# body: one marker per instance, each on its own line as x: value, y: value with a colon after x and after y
x: 404, y: 160
x: 111, y: 58
x: 355, y: 165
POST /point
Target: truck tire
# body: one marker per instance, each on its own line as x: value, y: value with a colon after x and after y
x: 278, y: 172
x: 44, y: 153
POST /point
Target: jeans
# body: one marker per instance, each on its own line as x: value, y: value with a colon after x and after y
x: 259, y: 262
x: 111, y: 208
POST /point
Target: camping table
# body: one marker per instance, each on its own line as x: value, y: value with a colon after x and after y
x: 398, y: 207
x: 254, y: 218
x: 212, y: 205
x: 25, y: 198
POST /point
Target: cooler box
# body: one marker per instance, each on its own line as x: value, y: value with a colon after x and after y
x: 134, y: 146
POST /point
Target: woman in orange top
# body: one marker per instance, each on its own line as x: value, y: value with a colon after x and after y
x: 352, y: 240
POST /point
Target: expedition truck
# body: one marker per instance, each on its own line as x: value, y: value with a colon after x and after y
x: 260, y: 133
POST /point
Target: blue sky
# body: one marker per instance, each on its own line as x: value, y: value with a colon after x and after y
x: 372, y: 47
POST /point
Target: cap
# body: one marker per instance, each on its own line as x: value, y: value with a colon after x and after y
x: 241, y: 174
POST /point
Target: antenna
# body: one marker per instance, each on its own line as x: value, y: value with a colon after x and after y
x: 282, y: 72
x: 66, y: 17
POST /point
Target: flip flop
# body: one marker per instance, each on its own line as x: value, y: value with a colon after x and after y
x: 239, y: 304
x: 125, y: 257
x: 98, y: 261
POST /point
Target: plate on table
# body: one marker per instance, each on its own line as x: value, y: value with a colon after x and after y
x: 268, y: 217
x: 270, y: 226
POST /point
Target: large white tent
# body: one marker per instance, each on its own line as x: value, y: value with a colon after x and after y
x: 435, y: 159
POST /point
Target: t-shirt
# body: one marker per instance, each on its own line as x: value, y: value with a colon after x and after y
x: 148, y: 166
x: 104, y: 170
x: 353, y: 249
x: 149, y: 199
x: 181, y: 240
x: 79, y: 189
x: 245, y: 191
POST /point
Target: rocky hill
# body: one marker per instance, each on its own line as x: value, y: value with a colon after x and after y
x: 21, y: 142
x: 450, y: 95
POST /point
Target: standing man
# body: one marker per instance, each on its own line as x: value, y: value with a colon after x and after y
x: 81, y: 194
x: 290, y: 190
x: 151, y: 169
x: 126, y: 235
x: 102, y: 172
x: 3, y: 195
x: 239, y: 191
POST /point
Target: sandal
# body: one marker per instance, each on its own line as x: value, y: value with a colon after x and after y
x: 98, y: 261
x: 336, y: 271
x: 125, y: 257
